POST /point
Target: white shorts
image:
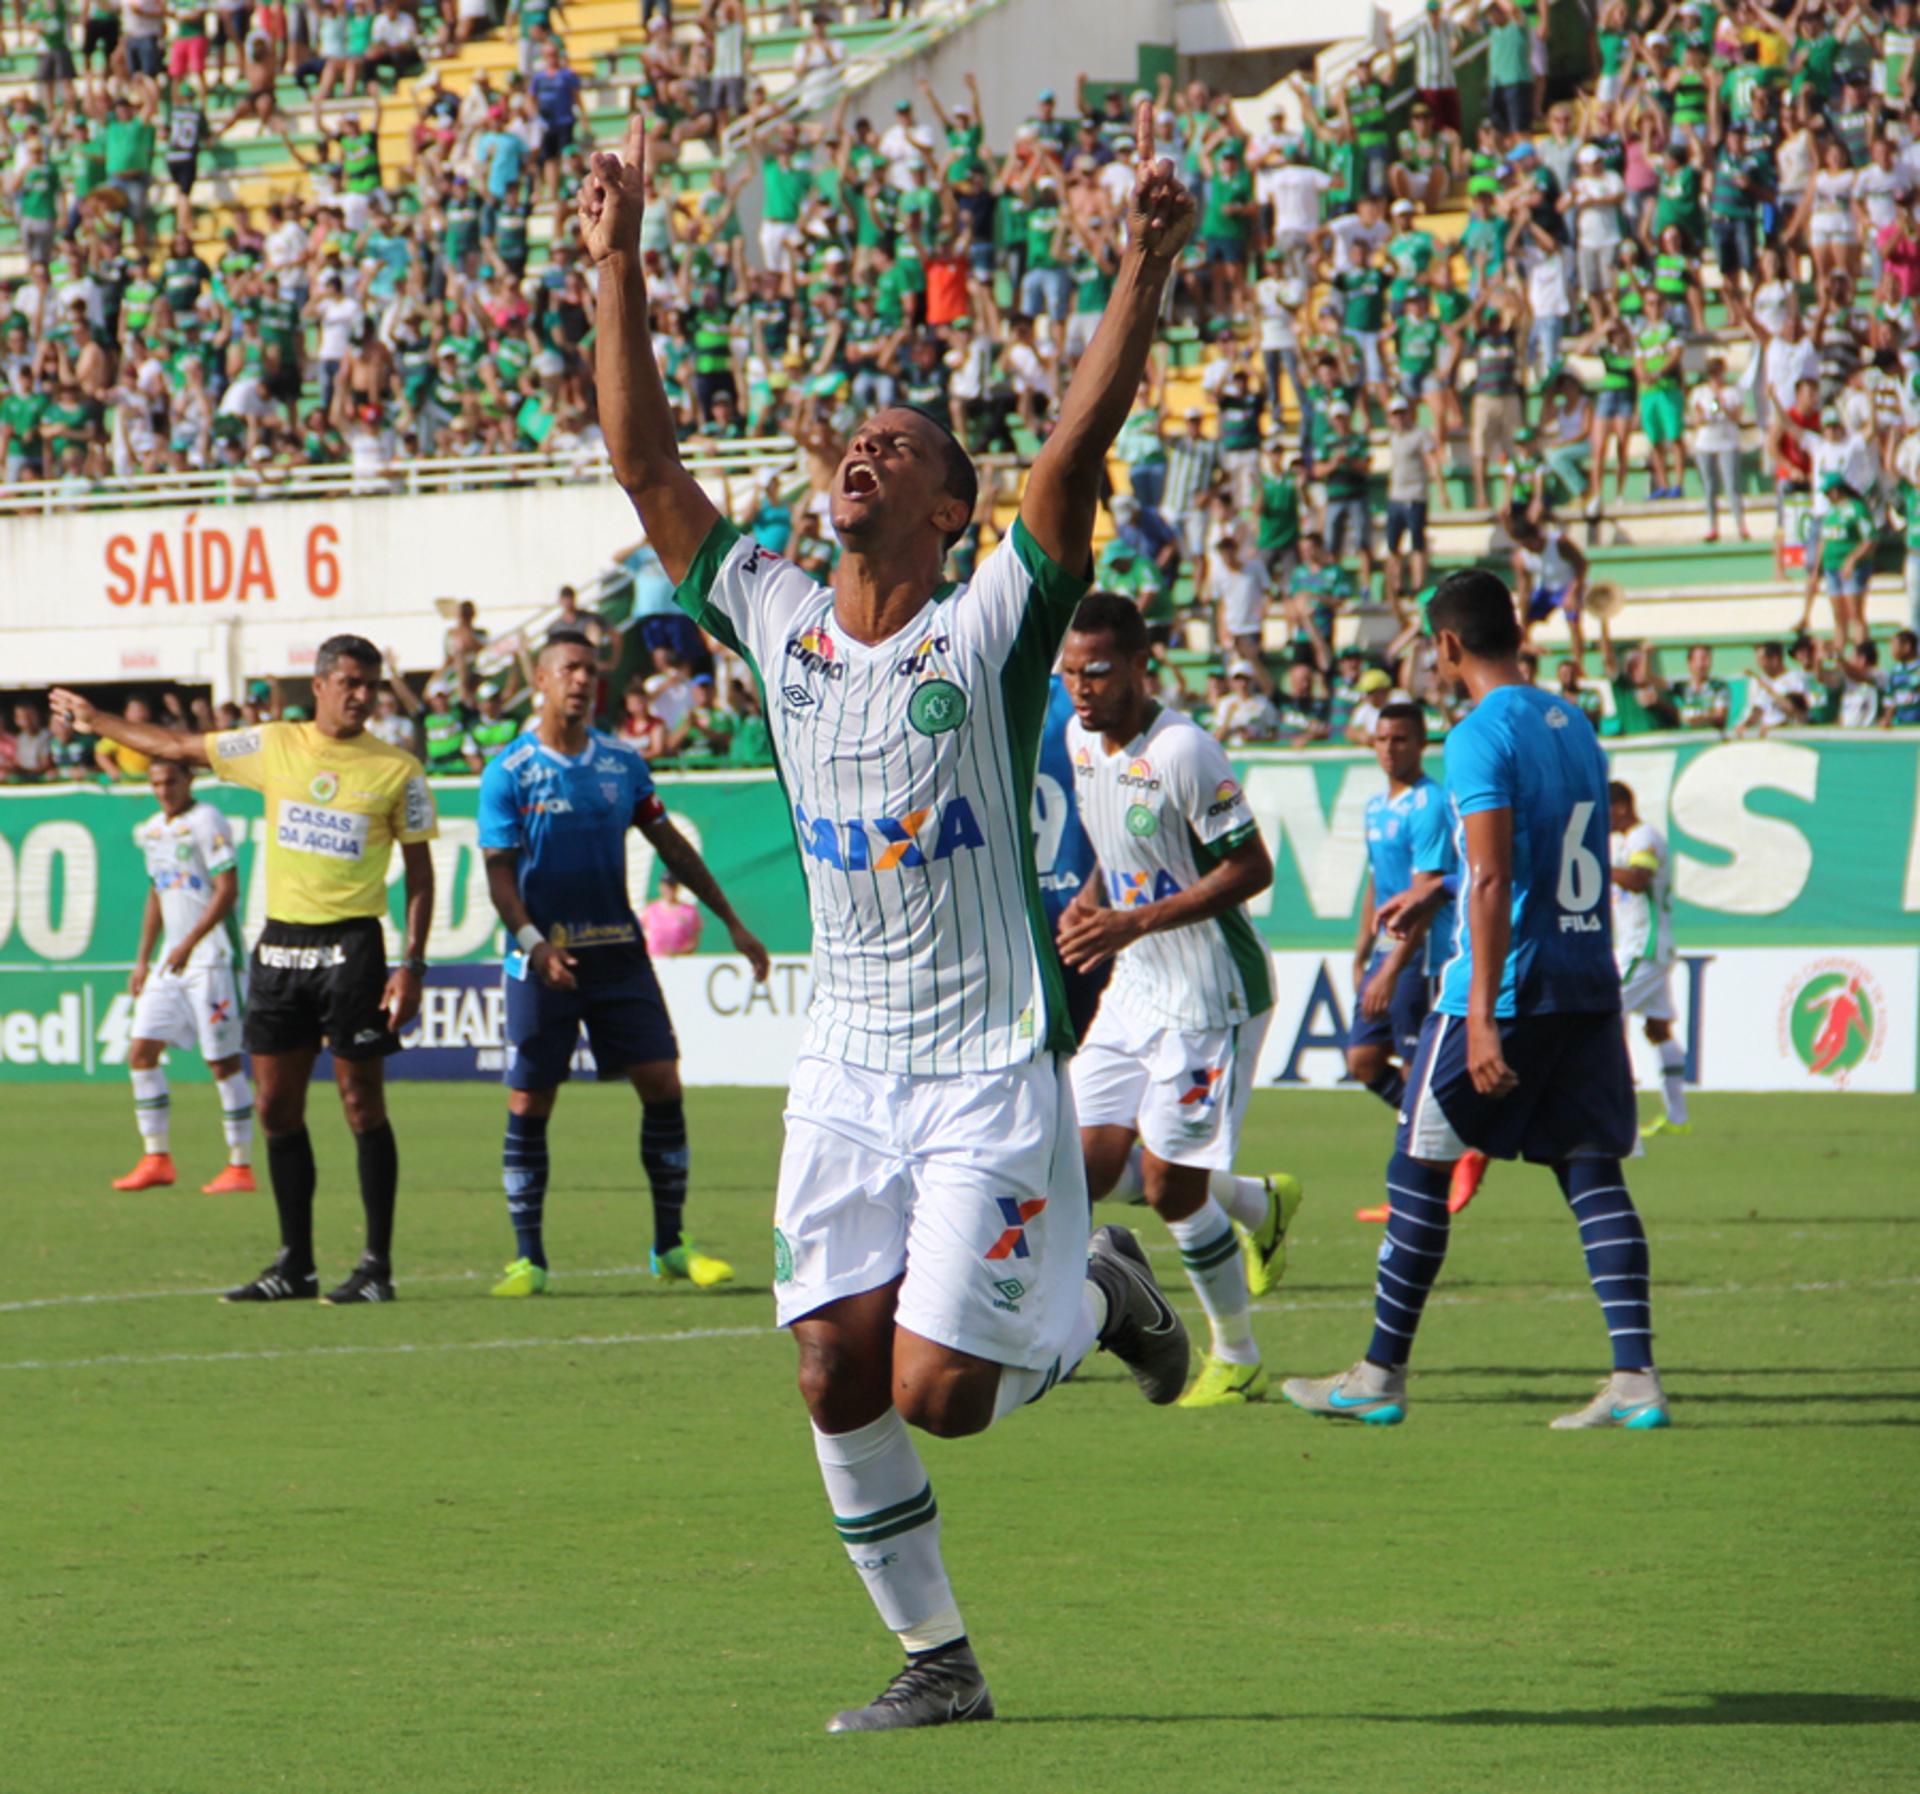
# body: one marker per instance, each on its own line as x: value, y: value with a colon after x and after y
x: 200, y: 1006
x: 1831, y: 228
x: 1080, y: 328
x: 1646, y: 990
x: 777, y: 244
x: 971, y: 1186
x: 1184, y: 1093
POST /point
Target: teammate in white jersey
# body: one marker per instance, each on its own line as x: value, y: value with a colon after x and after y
x: 931, y: 1251
x: 193, y: 999
x: 1643, y: 947
x: 1163, y: 1077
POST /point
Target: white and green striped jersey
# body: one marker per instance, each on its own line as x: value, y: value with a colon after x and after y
x: 184, y: 853
x: 1161, y: 813
x: 1643, y: 920
x: 909, y: 766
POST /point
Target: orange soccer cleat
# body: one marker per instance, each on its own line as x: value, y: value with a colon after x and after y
x: 236, y: 1179
x: 1468, y: 1170
x: 154, y: 1172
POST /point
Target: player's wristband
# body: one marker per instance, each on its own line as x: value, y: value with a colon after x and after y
x: 417, y: 966
x: 529, y: 937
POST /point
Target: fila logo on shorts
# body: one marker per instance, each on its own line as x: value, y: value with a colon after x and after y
x: 1013, y: 1243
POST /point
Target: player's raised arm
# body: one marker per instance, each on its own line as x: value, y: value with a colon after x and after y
x: 144, y: 738
x: 1063, y: 491
x: 634, y: 414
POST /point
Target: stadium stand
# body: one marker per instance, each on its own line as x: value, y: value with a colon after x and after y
x: 1525, y: 288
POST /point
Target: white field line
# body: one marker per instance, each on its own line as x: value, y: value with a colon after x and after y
x: 1354, y: 1304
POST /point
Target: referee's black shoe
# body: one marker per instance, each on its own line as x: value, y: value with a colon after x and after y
x: 281, y: 1281
x: 370, y: 1281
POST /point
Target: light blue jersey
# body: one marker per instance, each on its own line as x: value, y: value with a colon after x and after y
x: 1062, y: 854
x: 1414, y: 833
x: 1531, y: 752
x: 567, y: 816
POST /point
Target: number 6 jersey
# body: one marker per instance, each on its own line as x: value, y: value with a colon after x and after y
x: 908, y: 766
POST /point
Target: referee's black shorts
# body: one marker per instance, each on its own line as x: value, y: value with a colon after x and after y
x: 313, y: 984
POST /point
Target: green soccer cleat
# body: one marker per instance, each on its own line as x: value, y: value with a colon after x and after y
x: 1265, y: 1246
x: 1365, y: 1393
x: 1638, y: 1406
x: 523, y: 1278
x: 688, y: 1264
x: 1224, y: 1385
x: 1661, y: 1125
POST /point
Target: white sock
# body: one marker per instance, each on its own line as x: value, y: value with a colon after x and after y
x: 1130, y: 1186
x: 1673, y: 1082
x: 1019, y: 1386
x: 1210, y: 1250
x: 1244, y: 1198
x: 884, y: 1512
x: 236, y: 1117
x: 152, y: 1108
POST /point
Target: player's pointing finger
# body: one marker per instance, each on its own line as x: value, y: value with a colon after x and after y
x: 1143, y: 135
x: 637, y: 141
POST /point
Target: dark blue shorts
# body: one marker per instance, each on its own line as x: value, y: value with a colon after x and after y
x: 624, y: 1015
x: 1575, y: 1099
x: 1399, y: 1029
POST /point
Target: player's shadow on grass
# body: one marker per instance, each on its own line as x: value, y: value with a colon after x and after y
x: 1721, y: 1709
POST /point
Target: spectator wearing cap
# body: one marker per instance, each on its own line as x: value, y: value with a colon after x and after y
x: 1293, y: 189
x: 1413, y: 470
x: 1246, y: 714
x: 1348, y: 523
x: 1594, y: 201
x: 1426, y: 159
x: 1227, y: 220
x: 1375, y: 692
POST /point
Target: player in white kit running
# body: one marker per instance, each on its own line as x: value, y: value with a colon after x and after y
x: 1163, y: 1077
x: 194, y: 998
x: 1643, y: 947
x: 930, y: 1251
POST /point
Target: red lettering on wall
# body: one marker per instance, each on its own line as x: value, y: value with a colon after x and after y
x: 255, y: 568
x: 121, y: 584
x: 323, y: 565
x: 216, y: 566
x: 159, y: 573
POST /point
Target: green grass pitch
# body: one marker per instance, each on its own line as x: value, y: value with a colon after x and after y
x: 579, y: 1544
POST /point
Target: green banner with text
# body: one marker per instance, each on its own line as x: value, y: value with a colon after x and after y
x: 1804, y: 840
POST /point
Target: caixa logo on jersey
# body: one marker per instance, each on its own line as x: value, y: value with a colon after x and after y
x: 889, y: 843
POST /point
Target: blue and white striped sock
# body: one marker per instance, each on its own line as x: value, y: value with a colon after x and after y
x: 523, y: 1169
x: 1410, y: 1256
x: 1616, y: 1247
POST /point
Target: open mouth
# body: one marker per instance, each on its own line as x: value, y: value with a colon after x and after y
x: 860, y: 481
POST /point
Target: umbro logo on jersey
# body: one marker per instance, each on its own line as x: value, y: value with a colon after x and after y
x: 797, y: 697
x: 889, y: 843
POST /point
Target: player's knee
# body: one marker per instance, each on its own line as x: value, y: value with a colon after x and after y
x: 365, y: 1108
x: 840, y: 1387
x: 1364, y: 1064
x: 949, y: 1408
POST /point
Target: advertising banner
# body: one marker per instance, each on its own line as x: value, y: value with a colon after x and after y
x: 1790, y: 855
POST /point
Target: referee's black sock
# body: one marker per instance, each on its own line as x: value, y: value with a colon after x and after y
x: 663, y: 1155
x: 379, y: 1182
x: 290, y: 1169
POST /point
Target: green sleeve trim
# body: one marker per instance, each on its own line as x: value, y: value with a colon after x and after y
x: 1057, y: 590
x: 1237, y: 837
x: 694, y: 594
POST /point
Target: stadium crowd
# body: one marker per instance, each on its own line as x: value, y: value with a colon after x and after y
x: 1689, y: 250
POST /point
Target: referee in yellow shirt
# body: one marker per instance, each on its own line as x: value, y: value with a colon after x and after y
x: 337, y: 800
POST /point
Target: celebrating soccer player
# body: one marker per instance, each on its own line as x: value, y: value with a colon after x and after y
x: 554, y: 813
x: 930, y: 1250
x: 337, y: 800
x: 1523, y: 1055
x: 1409, y: 830
x: 1163, y: 1078
x: 1643, y: 947
x: 194, y: 998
